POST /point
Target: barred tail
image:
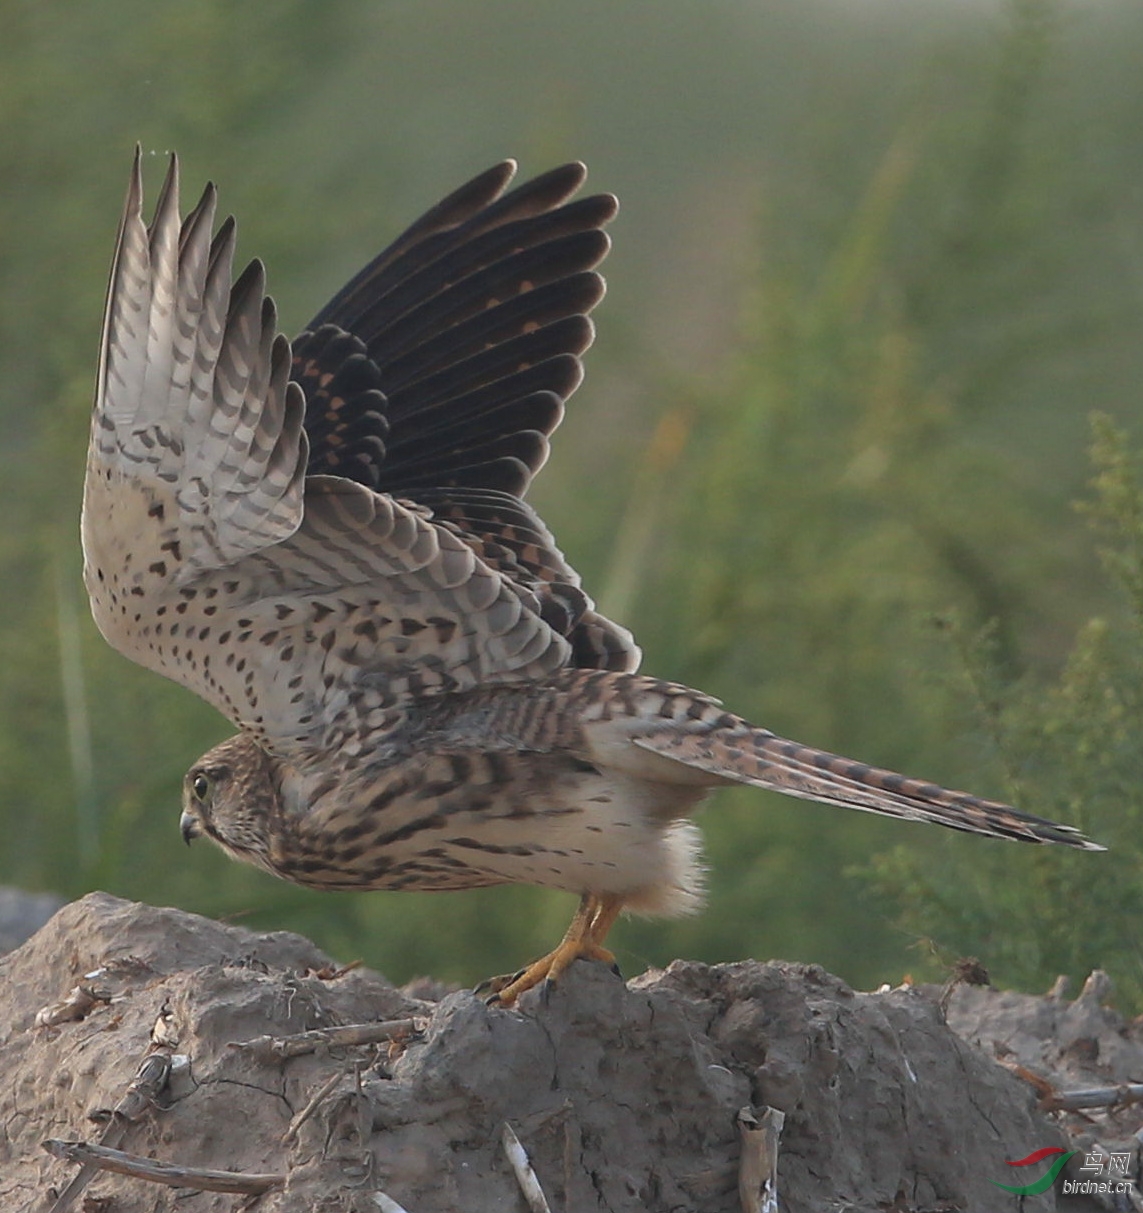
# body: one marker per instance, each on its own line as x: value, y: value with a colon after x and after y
x: 689, y: 728
x: 755, y: 756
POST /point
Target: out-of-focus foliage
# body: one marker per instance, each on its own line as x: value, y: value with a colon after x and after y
x: 876, y: 264
x: 1071, y: 749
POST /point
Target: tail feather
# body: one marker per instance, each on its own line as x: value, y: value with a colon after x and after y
x: 733, y: 749
x: 627, y: 715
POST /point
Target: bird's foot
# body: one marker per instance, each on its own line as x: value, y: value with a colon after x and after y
x: 583, y: 941
x: 503, y: 991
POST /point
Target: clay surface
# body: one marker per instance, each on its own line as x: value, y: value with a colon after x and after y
x: 625, y: 1096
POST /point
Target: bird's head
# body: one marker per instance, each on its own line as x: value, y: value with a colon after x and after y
x: 232, y: 795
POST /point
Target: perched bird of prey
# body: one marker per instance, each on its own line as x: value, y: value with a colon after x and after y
x: 328, y: 540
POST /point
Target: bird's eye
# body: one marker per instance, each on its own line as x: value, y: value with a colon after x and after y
x: 201, y: 788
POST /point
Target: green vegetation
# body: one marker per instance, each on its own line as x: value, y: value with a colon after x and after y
x: 1072, y: 750
x: 878, y: 263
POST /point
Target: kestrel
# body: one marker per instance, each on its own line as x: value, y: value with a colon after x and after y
x: 329, y: 542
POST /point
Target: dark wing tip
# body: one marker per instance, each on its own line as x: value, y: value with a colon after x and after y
x: 133, y: 205
x: 1077, y: 840
x: 251, y: 284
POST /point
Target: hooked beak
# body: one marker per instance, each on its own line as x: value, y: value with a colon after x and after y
x: 190, y: 827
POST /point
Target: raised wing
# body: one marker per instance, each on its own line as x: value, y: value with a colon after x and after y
x: 440, y: 371
x: 304, y: 608
x: 193, y: 398
x: 474, y: 319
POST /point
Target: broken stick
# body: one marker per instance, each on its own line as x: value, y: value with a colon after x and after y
x: 525, y: 1176
x: 759, y: 1130
x: 1094, y: 1097
x: 174, y: 1176
x: 278, y: 1048
x: 143, y: 1091
x: 291, y: 1134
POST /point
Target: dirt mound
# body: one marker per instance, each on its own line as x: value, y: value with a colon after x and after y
x: 1086, y: 1063
x: 625, y: 1097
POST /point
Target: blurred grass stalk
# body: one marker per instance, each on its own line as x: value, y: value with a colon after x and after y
x: 638, y: 533
x: 79, y: 744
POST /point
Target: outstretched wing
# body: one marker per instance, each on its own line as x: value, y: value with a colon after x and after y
x: 308, y: 609
x: 474, y: 320
x: 440, y: 371
x: 192, y: 398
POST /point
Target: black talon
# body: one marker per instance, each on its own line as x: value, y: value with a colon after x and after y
x: 493, y: 986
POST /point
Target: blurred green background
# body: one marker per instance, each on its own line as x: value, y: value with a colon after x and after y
x: 878, y: 263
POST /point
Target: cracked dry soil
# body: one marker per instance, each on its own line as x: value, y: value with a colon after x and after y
x: 624, y: 1095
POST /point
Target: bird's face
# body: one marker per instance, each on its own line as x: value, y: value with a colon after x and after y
x: 230, y: 796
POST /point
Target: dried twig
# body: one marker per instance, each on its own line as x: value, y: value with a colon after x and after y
x: 1097, y: 988
x: 522, y: 1169
x: 105, y: 1159
x: 144, y: 1089
x: 1058, y: 991
x: 1094, y: 1097
x: 1037, y: 1082
x: 291, y: 1134
x: 968, y: 971
x: 165, y: 1033
x: 77, y: 1005
x: 150, y: 1079
x: 1052, y: 1100
x: 387, y: 1204
x: 759, y: 1130
x: 333, y: 972
x: 278, y: 1048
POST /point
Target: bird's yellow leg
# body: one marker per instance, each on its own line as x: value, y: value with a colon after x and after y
x: 583, y: 940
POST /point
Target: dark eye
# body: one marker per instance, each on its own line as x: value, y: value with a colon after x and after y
x: 200, y: 786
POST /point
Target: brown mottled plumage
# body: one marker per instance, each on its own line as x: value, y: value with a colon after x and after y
x: 329, y: 543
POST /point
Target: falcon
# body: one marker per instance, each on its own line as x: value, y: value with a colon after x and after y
x: 329, y: 541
